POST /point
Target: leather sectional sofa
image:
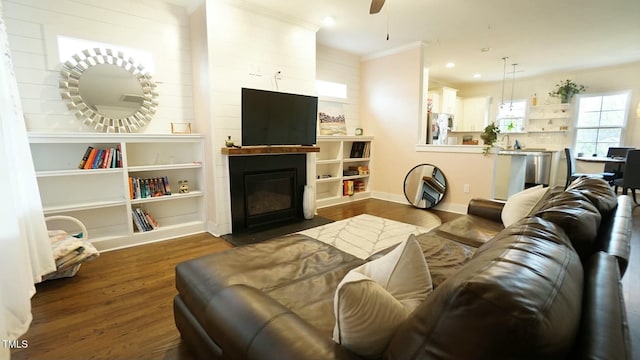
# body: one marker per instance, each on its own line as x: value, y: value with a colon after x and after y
x: 546, y: 287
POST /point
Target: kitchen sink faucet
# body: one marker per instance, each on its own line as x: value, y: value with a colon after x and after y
x: 506, y: 136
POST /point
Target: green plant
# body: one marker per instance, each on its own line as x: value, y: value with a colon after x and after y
x: 566, y: 89
x: 489, y: 136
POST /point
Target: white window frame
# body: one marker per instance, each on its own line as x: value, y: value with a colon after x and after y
x: 519, y: 120
x: 331, y: 91
x: 622, y: 127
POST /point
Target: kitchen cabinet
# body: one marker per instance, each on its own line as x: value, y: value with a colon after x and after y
x: 474, y: 115
x: 443, y: 100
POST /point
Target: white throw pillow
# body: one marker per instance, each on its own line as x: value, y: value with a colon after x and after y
x: 374, y: 298
x: 519, y: 205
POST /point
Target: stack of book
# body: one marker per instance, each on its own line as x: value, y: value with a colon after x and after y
x: 347, y: 187
x: 143, y: 220
x: 359, y: 186
x: 359, y: 170
x: 360, y: 149
x: 95, y: 158
x: 144, y: 188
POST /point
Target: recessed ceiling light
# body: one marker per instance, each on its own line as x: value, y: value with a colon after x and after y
x: 477, y: 76
x: 485, y: 49
x: 329, y: 21
x: 450, y: 65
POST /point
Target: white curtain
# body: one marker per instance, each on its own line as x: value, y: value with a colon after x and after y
x: 25, y: 253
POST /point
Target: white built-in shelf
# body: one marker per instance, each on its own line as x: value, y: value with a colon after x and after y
x: 57, y: 209
x: 167, y: 197
x: 99, y: 198
x: 333, y: 159
x: 92, y: 172
x: 165, y: 167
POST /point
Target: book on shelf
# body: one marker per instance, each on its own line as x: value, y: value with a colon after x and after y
x: 95, y: 158
x: 347, y: 187
x: 360, y: 149
x: 359, y: 170
x: 359, y: 186
x: 143, y: 220
x: 167, y: 187
x: 91, y: 158
x: 119, y: 156
x: 85, y: 157
x: 152, y: 187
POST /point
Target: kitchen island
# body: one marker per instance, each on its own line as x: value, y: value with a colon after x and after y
x: 518, y: 169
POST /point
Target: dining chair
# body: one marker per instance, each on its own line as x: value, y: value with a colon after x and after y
x: 571, y: 167
x: 631, y: 179
x: 614, y: 171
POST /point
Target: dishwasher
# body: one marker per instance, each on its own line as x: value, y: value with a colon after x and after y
x: 538, y: 169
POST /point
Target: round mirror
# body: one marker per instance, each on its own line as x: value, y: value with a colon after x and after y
x: 108, y: 91
x: 425, y: 186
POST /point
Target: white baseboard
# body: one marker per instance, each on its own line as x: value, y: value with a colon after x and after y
x: 217, y: 230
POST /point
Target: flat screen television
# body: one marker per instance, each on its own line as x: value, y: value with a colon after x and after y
x: 276, y: 118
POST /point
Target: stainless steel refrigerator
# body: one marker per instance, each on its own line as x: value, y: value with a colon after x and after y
x: 438, y: 126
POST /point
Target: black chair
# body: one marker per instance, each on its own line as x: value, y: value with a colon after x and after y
x: 631, y: 179
x: 614, y: 171
x: 571, y: 167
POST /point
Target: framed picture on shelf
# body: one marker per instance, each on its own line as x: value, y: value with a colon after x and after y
x: 331, y: 118
x: 181, y: 128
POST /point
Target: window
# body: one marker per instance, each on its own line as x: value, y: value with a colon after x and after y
x: 511, y: 116
x: 328, y: 89
x: 601, y: 121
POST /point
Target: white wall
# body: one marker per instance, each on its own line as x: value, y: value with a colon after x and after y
x: 391, y: 108
x: 152, y: 26
x: 246, y: 49
x: 342, y: 67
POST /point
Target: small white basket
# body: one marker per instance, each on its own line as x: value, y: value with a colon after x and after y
x: 72, y: 270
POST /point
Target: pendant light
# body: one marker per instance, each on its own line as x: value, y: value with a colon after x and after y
x: 513, y: 84
x: 504, y: 76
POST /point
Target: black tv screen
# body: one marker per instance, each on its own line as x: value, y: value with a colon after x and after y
x: 275, y: 118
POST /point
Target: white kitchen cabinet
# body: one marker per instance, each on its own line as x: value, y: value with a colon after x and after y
x: 474, y: 115
x: 443, y: 100
x: 100, y: 198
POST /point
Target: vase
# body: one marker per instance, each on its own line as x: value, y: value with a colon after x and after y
x: 308, y: 202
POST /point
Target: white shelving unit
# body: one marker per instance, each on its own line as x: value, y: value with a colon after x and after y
x: 100, y: 199
x: 549, y: 118
x: 333, y: 158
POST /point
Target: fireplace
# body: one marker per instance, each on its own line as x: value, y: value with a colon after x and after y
x: 266, y: 190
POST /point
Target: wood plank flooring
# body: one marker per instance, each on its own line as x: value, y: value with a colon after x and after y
x: 120, y: 306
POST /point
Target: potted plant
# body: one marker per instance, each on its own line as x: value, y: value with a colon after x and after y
x: 566, y: 89
x: 489, y: 136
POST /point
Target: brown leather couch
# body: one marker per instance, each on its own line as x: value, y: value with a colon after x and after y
x: 546, y: 287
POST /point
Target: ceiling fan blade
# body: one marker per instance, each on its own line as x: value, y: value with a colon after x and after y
x: 376, y: 6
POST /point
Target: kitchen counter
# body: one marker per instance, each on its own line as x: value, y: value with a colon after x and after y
x: 528, y: 151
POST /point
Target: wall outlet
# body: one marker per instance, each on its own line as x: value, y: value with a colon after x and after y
x: 466, y: 188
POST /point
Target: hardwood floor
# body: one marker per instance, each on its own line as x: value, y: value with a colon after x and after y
x: 117, y: 307
x: 120, y: 306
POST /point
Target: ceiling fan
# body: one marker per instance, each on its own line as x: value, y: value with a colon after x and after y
x: 376, y: 6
